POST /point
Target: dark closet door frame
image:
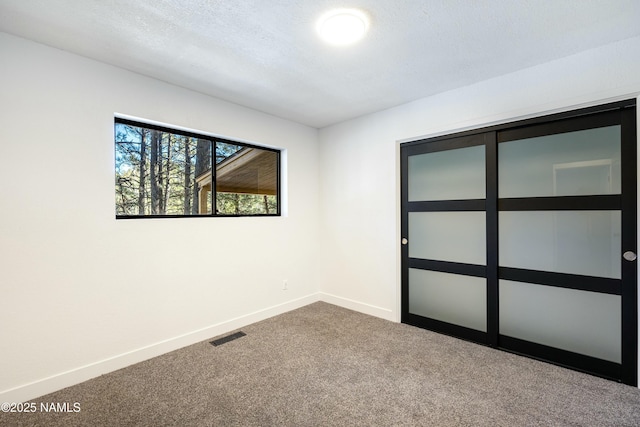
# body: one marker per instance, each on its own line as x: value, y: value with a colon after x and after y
x: 451, y: 142
x: 623, y: 113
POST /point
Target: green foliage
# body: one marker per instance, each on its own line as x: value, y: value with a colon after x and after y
x: 156, y: 183
x: 157, y: 173
x: 245, y: 204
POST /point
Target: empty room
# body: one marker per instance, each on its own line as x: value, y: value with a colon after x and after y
x: 312, y: 213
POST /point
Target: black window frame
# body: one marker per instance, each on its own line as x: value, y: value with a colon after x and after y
x: 214, y: 139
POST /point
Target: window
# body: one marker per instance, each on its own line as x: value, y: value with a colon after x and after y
x: 162, y: 172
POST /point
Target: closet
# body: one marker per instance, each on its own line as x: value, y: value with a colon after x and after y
x: 523, y: 237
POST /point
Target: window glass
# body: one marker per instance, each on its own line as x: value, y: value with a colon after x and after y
x: 579, y: 163
x: 448, y: 175
x: 574, y: 320
x: 574, y: 242
x: 161, y: 172
x: 451, y: 298
x: 448, y: 236
x: 247, y: 180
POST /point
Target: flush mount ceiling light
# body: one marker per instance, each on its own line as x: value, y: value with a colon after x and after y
x: 342, y: 26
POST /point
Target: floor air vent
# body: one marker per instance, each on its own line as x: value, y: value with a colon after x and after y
x: 228, y: 338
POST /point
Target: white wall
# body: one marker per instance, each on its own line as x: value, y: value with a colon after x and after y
x: 359, y: 162
x: 82, y: 293
x: 78, y: 296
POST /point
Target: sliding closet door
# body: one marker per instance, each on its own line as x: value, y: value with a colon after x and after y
x: 445, y: 229
x: 566, y: 219
x: 523, y: 237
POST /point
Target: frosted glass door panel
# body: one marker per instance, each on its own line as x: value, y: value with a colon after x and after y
x: 451, y: 298
x: 585, y: 162
x: 447, y: 175
x: 448, y: 236
x: 577, y: 242
x: 578, y: 321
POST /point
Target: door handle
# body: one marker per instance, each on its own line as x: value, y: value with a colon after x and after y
x: 404, y: 241
x: 629, y: 256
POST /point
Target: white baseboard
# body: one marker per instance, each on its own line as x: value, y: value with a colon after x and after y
x: 75, y: 376
x: 83, y: 373
x: 361, y: 307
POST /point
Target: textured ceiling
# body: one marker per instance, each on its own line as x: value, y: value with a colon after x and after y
x: 265, y: 54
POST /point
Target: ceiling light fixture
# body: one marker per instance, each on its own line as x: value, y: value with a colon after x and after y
x: 342, y: 27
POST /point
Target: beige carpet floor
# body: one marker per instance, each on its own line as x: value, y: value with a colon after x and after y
x: 322, y: 365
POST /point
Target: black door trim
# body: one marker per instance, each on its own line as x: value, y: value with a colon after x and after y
x: 446, y: 328
x: 602, y: 285
x: 563, y: 203
x: 568, y: 359
x: 629, y: 243
x: 618, y: 113
x: 448, y: 267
